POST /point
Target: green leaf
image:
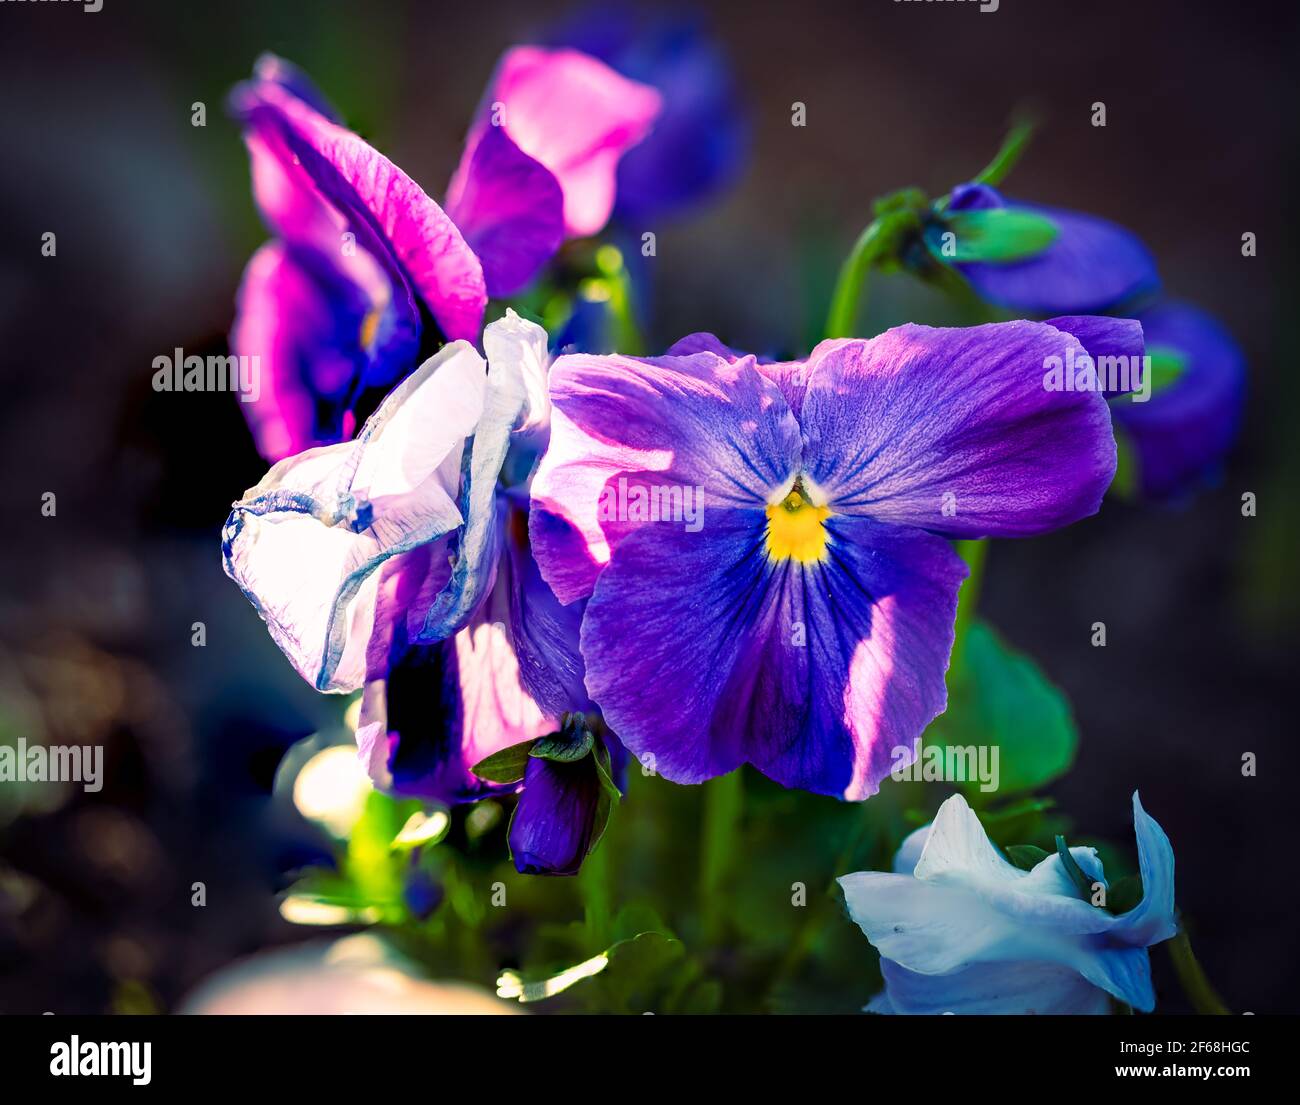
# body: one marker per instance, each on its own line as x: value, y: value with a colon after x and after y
x: 609, y: 794
x: 563, y: 747
x: 995, y: 235
x: 1000, y: 698
x: 506, y: 766
x: 1025, y: 856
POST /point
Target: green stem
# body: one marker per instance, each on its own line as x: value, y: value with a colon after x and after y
x: 1192, y: 978
x: 877, y: 241
x: 593, y: 885
x: 975, y: 553
x: 724, y: 800
x: 1013, y: 146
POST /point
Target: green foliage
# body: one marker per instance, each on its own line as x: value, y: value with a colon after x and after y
x: 1000, y: 697
x: 1025, y: 856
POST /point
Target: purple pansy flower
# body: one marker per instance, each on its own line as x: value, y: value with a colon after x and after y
x: 1180, y: 434
x: 961, y: 930
x: 700, y: 139
x: 804, y: 624
x: 337, y: 304
x: 1084, y: 264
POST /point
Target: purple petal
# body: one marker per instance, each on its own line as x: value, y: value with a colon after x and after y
x: 700, y: 140
x: 1102, y: 336
x: 665, y: 423
x: 441, y: 708
x: 389, y: 214
x: 551, y: 831
x: 1091, y: 266
x: 575, y: 116
x: 705, y: 654
x: 955, y: 431
x: 511, y: 211
x: 302, y: 335
x: 270, y: 67
x: 544, y: 633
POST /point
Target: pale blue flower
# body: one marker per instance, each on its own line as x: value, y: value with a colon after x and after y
x: 960, y: 929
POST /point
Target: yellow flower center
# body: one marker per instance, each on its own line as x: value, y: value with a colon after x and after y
x: 796, y: 528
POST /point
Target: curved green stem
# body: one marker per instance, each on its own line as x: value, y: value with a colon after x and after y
x: 1192, y: 977
x: 878, y: 240
x: 1013, y: 147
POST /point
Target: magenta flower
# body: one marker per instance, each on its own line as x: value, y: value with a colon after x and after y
x: 568, y: 112
x: 795, y: 609
x: 336, y: 303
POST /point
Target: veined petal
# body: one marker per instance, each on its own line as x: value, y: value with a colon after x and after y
x: 688, y: 423
x: 791, y: 377
x: 304, y: 545
x: 389, y: 214
x: 956, y: 431
x: 705, y: 654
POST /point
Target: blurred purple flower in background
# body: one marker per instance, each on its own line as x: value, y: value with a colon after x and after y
x: 1086, y: 265
x: 1180, y: 435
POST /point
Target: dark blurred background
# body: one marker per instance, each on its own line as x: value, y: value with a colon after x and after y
x: 154, y: 223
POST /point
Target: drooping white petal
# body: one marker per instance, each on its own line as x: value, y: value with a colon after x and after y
x: 305, y: 543
x: 516, y: 351
x: 517, y: 345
